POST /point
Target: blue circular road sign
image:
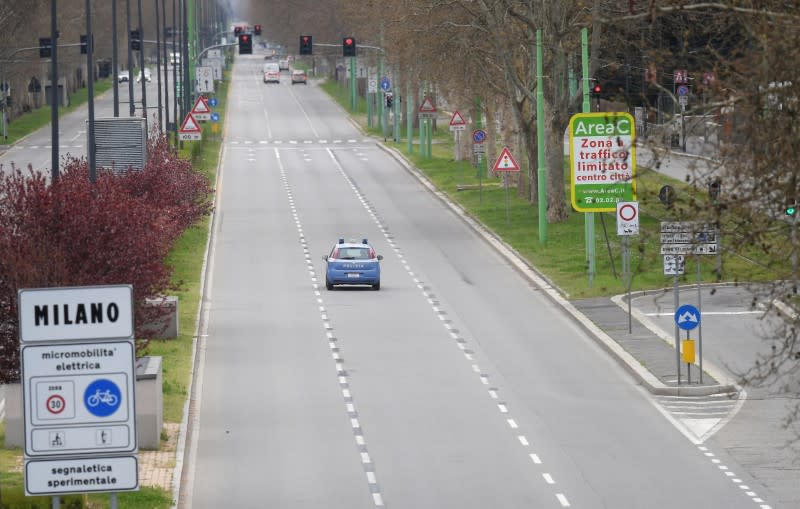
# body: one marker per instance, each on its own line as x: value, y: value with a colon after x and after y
x: 215, y: 117
x: 683, y: 90
x: 687, y: 317
x: 478, y: 136
x: 102, y: 397
x: 212, y: 102
x: 385, y: 84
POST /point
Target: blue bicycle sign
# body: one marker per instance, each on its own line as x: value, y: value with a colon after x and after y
x: 102, y: 397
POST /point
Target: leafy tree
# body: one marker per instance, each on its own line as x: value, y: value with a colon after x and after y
x: 74, y: 233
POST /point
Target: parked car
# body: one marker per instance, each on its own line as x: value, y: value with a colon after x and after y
x: 299, y: 76
x: 123, y: 76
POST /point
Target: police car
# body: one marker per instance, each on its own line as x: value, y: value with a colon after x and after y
x: 353, y: 263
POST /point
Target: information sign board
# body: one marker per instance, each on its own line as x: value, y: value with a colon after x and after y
x: 85, y: 313
x: 79, y: 398
x: 60, y: 476
x: 602, y: 158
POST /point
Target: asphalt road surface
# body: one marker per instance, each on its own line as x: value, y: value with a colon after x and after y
x: 458, y: 384
x: 36, y: 148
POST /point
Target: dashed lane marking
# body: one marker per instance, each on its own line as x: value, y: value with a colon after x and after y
x: 333, y: 344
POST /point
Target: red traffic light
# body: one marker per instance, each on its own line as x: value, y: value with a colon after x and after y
x: 305, y: 39
x: 348, y: 41
x: 245, y: 38
x: 597, y: 88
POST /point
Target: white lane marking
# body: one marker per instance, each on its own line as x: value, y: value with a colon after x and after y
x: 484, y: 378
x: 350, y: 407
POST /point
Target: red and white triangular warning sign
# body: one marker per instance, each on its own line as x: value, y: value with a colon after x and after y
x: 427, y: 106
x: 457, y: 119
x: 201, y: 111
x: 506, y: 162
x: 190, y: 129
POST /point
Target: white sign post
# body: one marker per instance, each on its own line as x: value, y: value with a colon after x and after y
x: 78, y: 397
x: 627, y: 225
x: 205, y: 80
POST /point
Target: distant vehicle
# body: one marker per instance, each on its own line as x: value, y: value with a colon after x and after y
x: 353, y: 263
x: 123, y: 76
x: 299, y: 76
x: 147, y: 76
x: 283, y: 64
x: 175, y: 58
x: 272, y: 77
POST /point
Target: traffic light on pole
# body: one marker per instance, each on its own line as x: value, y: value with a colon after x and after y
x: 85, y: 44
x: 791, y: 209
x: 245, y: 44
x: 45, y: 47
x: 348, y: 47
x: 136, y: 40
x: 306, y: 45
x: 597, y: 89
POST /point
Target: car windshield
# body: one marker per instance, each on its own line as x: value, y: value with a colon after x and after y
x: 352, y: 253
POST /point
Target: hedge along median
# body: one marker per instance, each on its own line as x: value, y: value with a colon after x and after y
x: 180, y: 210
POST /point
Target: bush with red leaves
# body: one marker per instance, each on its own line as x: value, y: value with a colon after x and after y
x: 74, y: 233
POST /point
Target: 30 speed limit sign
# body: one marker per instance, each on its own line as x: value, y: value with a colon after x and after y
x: 628, y: 218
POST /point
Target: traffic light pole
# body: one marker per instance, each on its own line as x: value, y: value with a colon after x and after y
x: 587, y: 107
x: 353, y: 84
x: 54, y: 172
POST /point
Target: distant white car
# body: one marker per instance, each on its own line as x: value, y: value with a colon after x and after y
x: 147, y: 76
x: 283, y: 65
x: 123, y: 76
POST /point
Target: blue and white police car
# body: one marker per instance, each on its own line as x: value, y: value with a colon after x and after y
x: 353, y: 263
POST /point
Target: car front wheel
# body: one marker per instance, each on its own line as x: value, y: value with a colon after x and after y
x: 376, y: 286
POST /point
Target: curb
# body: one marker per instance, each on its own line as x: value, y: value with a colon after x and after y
x: 625, y: 359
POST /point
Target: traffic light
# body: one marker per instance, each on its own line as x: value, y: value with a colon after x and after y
x: 136, y: 40
x: 245, y: 44
x: 237, y: 30
x: 389, y: 99
x: 348, y: 47
x: 85, y: 45
x: 45, y: 47
x: 306, y: 47
x: 257, y: 29
x: 714, y: 190
x: 597, y: 89
x: 791, y: 209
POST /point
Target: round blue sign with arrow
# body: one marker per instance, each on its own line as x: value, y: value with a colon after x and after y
x: 687, y: 317
x: 212, y: 102
x: 102, y: 397
x: 215, y: 117
x: 385, y: 84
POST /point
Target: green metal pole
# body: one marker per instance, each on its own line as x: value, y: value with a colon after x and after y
x: 353, y: 79
x: 370, y: 95
x: 479, y: 125
x: 381, y: 96
x: 430, y: 138
x: 589, y: 216
x: 423, y: 145
x: 396, y: 108
x: 190, y: 13
x: 542, y: 170
x: 409, y: 118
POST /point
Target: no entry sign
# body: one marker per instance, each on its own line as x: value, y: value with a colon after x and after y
x: 602, y: 159
x: 628, y: 218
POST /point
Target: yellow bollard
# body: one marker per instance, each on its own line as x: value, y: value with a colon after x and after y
x: 688, y: 351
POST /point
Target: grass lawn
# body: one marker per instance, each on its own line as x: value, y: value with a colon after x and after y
x: 562, y: 258
x: 40, y: 117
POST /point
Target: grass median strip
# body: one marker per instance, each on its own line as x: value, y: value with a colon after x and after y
x: 562, y: 258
